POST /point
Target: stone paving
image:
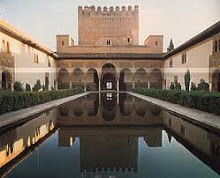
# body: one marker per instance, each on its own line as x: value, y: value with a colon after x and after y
x: 12, y: 118
x: 198, y: 117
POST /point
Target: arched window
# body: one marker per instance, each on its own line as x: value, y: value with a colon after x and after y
x: 215, y: 46
x: 8, y: 48
x: 3, y: 45
x: 219, y: 45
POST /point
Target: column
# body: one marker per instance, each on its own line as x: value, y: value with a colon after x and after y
x: 148, y: 85
x: 71, y: 85
x: 85, y: 86
x: 133, y: 85
x: 99, y: 85
x: 117, y: 85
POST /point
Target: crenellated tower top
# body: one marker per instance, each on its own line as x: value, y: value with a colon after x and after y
x: 107, y: 9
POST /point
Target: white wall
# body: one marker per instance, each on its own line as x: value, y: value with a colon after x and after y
x: 197, y: 61
x: 26, y: 70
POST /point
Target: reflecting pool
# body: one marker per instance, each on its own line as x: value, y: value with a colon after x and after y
x: 107, y: 136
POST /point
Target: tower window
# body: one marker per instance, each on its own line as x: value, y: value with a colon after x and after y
x: 108, y: 42
x: 156, y: 43
x: 129, y: 40
x: 62, y: 43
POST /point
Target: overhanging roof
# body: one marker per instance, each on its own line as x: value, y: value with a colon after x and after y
x: 211, y: 31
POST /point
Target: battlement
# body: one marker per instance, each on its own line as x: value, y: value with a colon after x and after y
x: 107, y: 9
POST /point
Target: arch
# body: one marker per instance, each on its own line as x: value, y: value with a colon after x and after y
x: 92, y: 80
x: 216, y: 81
x: 63, y: 79
x: 108, y: 79
x: 141, y: 77
x: 78, y: 108
x: 78, y: 78
x: 47, y: 82
x: 156, y: 79
x: 6, y: 80
x: 140, y: 107
x: 125, y: 104
x: 109, y: 102
x: 125, y: 80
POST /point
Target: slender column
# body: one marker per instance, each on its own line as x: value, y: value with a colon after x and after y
x: 71, y: 85
x: 99, y: 85
x: 85, y: 86
x: 133, y: 85
x: 148, y: 85
x: 117, y: 85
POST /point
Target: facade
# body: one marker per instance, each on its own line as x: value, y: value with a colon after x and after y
x: 23, y: 59
x: 99, y: 27
x: 108, y: 56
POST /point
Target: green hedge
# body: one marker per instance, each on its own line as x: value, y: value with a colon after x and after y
x: 12, y: 101
x: 204, y: 101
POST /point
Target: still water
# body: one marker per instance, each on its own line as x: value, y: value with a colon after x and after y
x: 109, y: 136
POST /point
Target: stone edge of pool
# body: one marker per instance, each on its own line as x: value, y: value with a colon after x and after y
x: 16, y: 117
x: 205, y: 119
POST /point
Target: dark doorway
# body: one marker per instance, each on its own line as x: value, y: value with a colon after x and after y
x: 6, y: 80
x: 108, y: 82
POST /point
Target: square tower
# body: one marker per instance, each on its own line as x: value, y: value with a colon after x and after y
x: 108, y: 26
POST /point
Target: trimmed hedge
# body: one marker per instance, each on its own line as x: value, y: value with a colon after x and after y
x: 13, y: 101
x: 204, y: 101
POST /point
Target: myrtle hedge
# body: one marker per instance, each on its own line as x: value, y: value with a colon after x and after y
x: 12, y: 101
x: 204, y: 101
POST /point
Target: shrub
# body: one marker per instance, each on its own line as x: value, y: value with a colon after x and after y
x: 187, y: 79
x: 177, y: 86
x: 18, y: 86
x: 172, y: 86
x: 204, y: 101
x: 203, y: 86
x: 37, y: 86
x: 12, y: 101
x: 28, y: 87
x: 193, y: 87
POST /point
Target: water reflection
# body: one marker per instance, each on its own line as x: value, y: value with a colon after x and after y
x: 102, y: 109
x: 16, y: 141
x: 137, y: 150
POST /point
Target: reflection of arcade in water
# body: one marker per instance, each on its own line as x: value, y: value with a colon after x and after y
x: 23, y: 138
x: 109, y: 151
x: 109, y: 108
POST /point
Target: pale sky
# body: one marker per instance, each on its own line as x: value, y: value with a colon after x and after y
x: 177, y: 19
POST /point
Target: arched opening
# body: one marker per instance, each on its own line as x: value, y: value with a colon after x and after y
x: 125, y: 80
x: 156, y: 79
x: 6, y: 80
x: 216, y: 81
x: 140, y: 107
x: 78, y: 78
x: 47, y: 82
x: 78, y: 108
x: 125, y: 104
x: 63, y: 79
x: 92, y: 104
x: 141, y: 78
x: 108, y: 77
x: 92, y: 80
x: 109, y: 101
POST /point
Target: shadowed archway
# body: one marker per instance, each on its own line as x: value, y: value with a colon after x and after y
x: 216, y: 81
x: 108, y: 79
x: 63, y: 79
x: 6, y: 80
x: 125, y: 80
